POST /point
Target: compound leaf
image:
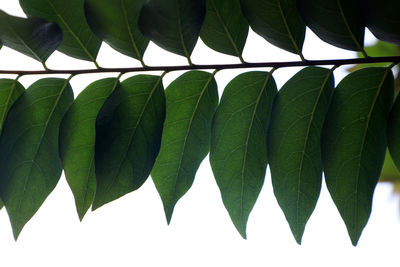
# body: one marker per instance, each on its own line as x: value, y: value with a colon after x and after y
x: 77, y: 141
x: 238, y: 153
x: 129, y: 128
x: 225, y: 29
x: 77, y: 39
x: 337, y: 22
x: 173, y: 25
x: 123, y: 33
x: 354, y: 143
x: 294, y: 151
x: 33, y: 37
x: 191, y: 102
x: 29, y: 163
x: 277, y: 21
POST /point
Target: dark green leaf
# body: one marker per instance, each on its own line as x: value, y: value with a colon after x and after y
x: 77, y: 141
x: 191, y: 103
x: 77, y: 41
x: 173, y: 25
x: 117, y: 24
x: 278, y: 21
x: 394, y: 133
x: 294, y: 151
x: 29, y: 163
x: 33, y: 37
x: 225, y: 29
x: 10, y: 91
x: 382, y: 19
x: 129, y: 129
x: 390, y: 173
x: 354, y: 143
x: 337, y: 22
x: 238, y: 153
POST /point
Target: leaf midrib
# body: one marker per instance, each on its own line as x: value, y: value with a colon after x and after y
x: 131, y: 38
x: 306, y: 142
x: 363, y: 143
x: 61, y: 19
x: 247, y: 146
x: 188, y: 131
x: 42, y: 137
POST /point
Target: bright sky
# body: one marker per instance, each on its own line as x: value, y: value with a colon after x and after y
x: 133, y: 230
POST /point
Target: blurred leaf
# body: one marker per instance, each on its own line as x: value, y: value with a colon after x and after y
x: 278, y: 21
x: 337, y: 22
x: 225, y: 29
x: 77, y: 141
x: 382, y: 19
x: 389, y: 170
x: 379, y: 49
x: 173, y: 25
x: 29, y: 163
x: 33, y: 37
x: 394, y: 133
x: 294, y: 151
x: 354, y: 143
x: 117, y: 25
x: 129, y: 128
x: 77, y: 39
x: 191, y: 103
x: 238, y: 153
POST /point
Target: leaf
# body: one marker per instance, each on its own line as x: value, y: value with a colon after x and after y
x: 354, y: 143
x: 173, y: 25
x: 294, y: 151
x: 277, y: 21
x: 238, y: 153
x: 393, y: 133
x: 77, y: 141
x: 337, y: 22
x: 29, y: 164
x: 123, y: 33
x: 382, y: 19
x: 225, y: 29
x: 10, y: 91
x: 33, y: 37
x: 390, y: 173
x: 129, y: 129
x: 191, y: 102
x: 78, y: 41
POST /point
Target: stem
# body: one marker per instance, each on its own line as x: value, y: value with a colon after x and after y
x: 277, y: 65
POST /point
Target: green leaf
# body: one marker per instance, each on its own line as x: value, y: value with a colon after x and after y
x: 238, y: 153
x: 382, y: 19
x: 191, y: 102
x: 123, y: 33
x: 77, y: 141
x: 10, y: 91
x: 129, y: 129
x: 354, y: 143
x: 394, y: 133
x: 277, y: 21
x: 29, y: 163
x: 337, y: 22
x: 294, y: 151
x: 390, y: 173
x: 33, y: 37
x: 77, y: 41
x: 225, y: 29
x: 173, y: 25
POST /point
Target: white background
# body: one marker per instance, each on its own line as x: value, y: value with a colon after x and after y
x: 133, y: 231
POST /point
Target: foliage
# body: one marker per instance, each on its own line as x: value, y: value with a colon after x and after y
x: 115, y: 133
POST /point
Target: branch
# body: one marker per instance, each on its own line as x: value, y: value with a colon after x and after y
x: 334, y: 62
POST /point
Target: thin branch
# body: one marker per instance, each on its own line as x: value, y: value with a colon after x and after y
x: 277, y: 65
